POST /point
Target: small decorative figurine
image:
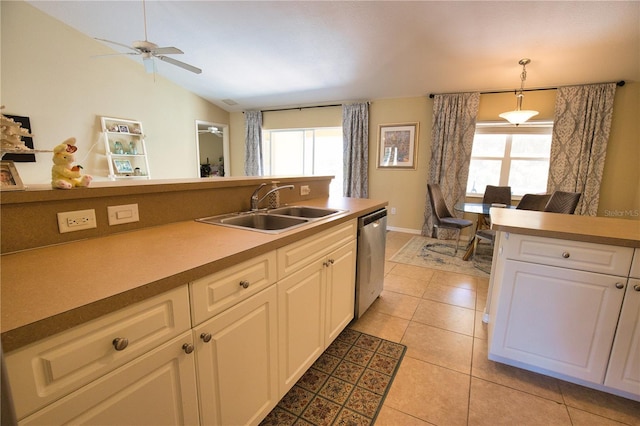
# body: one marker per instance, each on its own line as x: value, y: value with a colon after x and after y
x: 63, y: 174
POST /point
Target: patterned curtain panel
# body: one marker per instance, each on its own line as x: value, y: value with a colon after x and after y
x: 454, y: 124
x: 355, y: 129
x: 253, y: 165
x: 579, y: 143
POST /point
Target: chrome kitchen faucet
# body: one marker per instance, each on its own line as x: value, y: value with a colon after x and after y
x: 255, y: 201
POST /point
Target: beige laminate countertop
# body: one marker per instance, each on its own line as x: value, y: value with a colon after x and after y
x: 601, y: 230
x: 50, y: 289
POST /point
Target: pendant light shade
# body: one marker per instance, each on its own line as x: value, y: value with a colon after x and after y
x: 519, y: 116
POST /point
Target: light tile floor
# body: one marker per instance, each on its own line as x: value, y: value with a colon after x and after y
x: 445, y: 377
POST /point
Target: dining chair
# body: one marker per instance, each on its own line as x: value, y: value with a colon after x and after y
x: 497, y: 195
x: 442, y: 217
x: 562, y: 202
x: 533, y: 202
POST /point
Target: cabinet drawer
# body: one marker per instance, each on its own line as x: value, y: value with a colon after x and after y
x: 298, y: 255
x: 53, y: 367
x: 578, y: 255
x: 216, y: 292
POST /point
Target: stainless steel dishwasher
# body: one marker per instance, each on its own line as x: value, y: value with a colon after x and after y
x: 372, y: 239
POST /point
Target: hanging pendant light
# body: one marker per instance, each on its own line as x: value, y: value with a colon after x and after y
x: 519, y: 116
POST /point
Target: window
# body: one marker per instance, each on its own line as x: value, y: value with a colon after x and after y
x: 514, y: 156
x: 305, y: 152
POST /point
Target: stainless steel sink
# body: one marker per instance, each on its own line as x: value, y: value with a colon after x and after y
x: 258, y: 221
x: 305, y: 211
x: 271, y: 221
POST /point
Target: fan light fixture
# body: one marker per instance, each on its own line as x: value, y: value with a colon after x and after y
x: 519, y: 116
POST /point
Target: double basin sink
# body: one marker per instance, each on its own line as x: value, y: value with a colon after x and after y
x: 272, y: 221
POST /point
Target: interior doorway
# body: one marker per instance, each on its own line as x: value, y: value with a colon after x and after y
x: 213, y: 149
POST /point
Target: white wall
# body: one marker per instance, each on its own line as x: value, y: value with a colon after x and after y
x: 48, y: 74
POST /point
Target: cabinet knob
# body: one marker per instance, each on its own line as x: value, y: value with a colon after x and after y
x: 636, y: 287
x: 619, y: 286
x: 187, y: 348
x: 120, y: 343
x: 206, y: 337
x: 325, y: 264
x: 566, y: 254
x: 244, y: 284
x: 331, y: 261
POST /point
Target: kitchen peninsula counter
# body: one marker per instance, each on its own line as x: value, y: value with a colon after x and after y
x: 51, y: 289
x: 600, y: 230
x: 564, y: 298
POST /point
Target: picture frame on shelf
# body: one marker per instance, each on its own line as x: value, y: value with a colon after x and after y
x: 123, y: 166
x: 123, y: 128
x: 9, y: 177
x: 397, y: 145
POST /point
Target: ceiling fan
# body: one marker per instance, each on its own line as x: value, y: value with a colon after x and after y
x: 149, y: 50
x: 212, y: 129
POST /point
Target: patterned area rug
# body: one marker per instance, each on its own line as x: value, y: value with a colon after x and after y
x: 345, y: 386
x: 438, y: 254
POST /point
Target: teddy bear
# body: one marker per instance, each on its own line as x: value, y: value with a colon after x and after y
x: 63, y: 174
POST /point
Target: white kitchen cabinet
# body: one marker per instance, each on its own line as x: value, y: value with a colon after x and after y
x: 556, y: 319
x: 557, y: 307
x: 49, y: 369
x: 315, y: 304
x: 623, y: 372
x: 157, y: 388
x: 237, y: 362
x: 125, y: 148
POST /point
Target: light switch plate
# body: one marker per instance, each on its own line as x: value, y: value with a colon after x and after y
x: 125, y: 213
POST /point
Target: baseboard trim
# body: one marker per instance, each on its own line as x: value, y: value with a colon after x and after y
x: 405, y: 230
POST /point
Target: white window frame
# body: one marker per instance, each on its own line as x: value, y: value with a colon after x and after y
x: 500, y: 128
x: 308, y: 165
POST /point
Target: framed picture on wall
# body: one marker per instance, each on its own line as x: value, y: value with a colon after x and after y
x: 9, y: 177
x: 397, y: 146
x: 123, y: 128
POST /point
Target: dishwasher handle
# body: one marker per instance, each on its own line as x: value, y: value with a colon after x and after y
x: 377, y: 215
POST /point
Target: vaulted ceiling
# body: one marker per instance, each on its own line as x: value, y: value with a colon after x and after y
x: 269, y: 54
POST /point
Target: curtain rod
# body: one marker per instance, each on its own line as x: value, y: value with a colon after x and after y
x: 300, y: 108
x: 305, y: 107
x: 431, y: 95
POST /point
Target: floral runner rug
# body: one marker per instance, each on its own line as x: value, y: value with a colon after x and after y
x: 345, y: 386
x: 438, y: 254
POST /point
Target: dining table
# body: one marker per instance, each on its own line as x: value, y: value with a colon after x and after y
x: 481, y: 210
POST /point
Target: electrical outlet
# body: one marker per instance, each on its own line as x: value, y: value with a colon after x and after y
x: 76, y: 220
x: 126, y: 213
x: 305, y: 190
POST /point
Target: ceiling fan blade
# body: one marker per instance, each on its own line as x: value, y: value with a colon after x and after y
x: 117, y: 44
x: 166, y: 51
x: 180, y: 64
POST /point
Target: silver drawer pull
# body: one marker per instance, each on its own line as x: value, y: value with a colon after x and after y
x: 566, y: 254
x: 120, y: 343
x: 636, y: 287
x: 206, y: 337
x: 619, y: 286
x: 244, y: 284
x: 187, y: 348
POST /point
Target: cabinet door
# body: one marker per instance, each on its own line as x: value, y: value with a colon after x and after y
x: 624, y: 367
x: 301, y: 302
x: 237, y: 358
x: 157, y: 388
x: 556, y: 319
x: 341, y: 278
